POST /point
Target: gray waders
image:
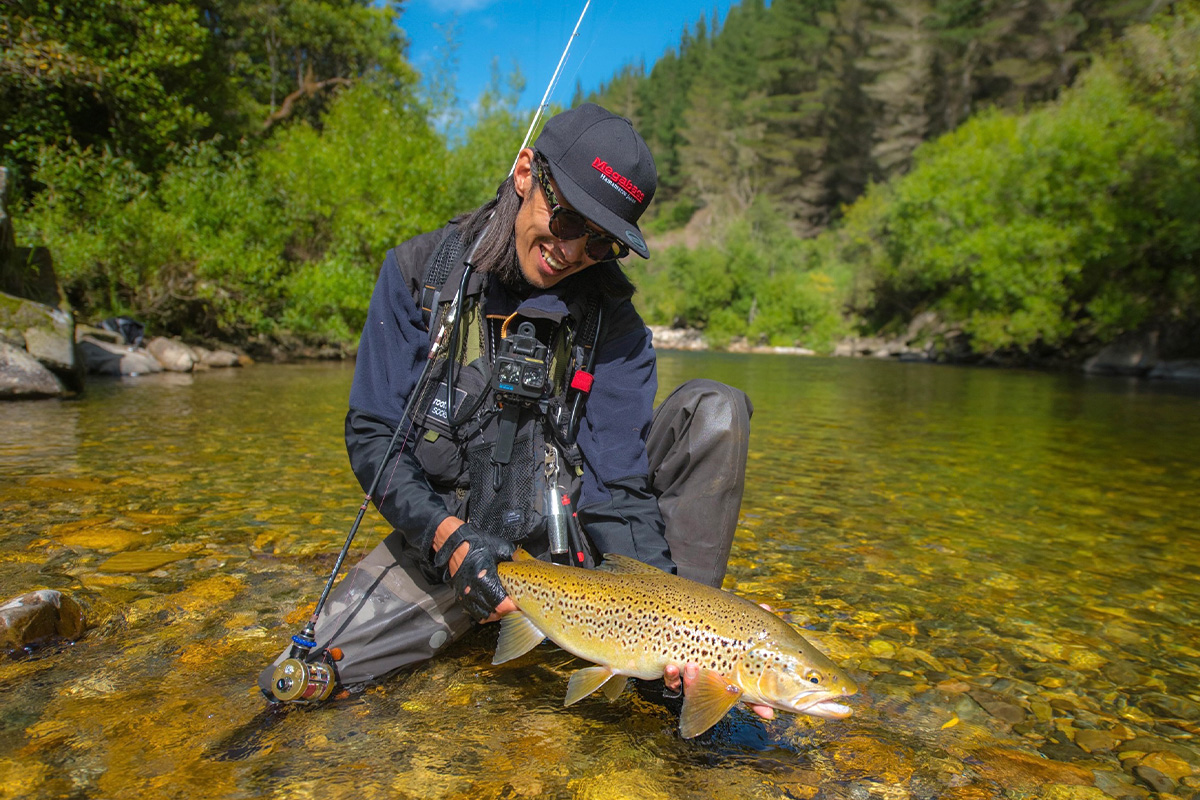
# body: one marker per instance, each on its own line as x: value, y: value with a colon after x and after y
x: 386, y: 615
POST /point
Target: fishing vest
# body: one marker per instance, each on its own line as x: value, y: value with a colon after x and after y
x: 503, y: 459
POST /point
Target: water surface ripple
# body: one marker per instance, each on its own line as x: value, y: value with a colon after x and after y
x: 1007, y: 562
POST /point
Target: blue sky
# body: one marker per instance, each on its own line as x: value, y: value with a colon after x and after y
x: 533, y: 33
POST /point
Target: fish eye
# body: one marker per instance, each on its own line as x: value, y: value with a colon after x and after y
x: 812, y: 677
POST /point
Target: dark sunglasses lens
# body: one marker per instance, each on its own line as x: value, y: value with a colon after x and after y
x: 602, y: 248
x: 567, y: 224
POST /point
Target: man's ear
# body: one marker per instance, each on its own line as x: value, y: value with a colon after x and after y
x: 523, y: 172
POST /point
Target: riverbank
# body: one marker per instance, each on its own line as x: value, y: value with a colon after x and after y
x: 1137, y: 356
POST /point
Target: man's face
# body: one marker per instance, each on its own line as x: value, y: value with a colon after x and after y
x: 545, y: 260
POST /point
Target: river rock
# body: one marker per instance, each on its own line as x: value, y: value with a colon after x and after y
x: 1170, y: 706
x: 677, y: 338
x: 173, y: 355
x: 1186, y: 370
x: 38, y: 617
x: 218, y: 358
x: 1134, y: 354
x: 1154, y: 779
x: 1013, y: 769
x: 47, y: 333
x: 998, y: 706
x: 1094, y: 741
x: 106, y: 358
x: 23, y: 376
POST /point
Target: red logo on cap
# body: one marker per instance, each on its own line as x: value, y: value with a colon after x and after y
x: 618, y: 180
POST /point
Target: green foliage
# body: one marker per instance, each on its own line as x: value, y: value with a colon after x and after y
x: 240, y: 242
x: 756, y: 281
x: 808, y: 101
x: 100, y: 73
x: 142, y: 77
x: 200, y: 252
x: 1074, y: 222
x: 238, y: 167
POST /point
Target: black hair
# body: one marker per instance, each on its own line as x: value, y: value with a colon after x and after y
x: 496, y: 221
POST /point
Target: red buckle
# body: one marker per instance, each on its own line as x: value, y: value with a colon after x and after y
x: 582, y: 381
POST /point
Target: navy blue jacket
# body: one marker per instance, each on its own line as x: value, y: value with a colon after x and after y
x: 616, y: 507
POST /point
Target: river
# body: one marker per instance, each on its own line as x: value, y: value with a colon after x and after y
x: 1007, y: 562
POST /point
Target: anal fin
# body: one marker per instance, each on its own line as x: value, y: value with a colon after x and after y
x: 587, y: 680
x: 708, y: 699
x: 613, y: 688
x: 518, y: 635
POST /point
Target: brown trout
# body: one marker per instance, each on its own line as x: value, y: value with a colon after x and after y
x: 632, y: 620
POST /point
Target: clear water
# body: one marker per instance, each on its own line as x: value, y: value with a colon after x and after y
x: 1007, y: 563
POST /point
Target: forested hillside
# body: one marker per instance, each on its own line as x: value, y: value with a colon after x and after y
x: 806, y: 102
x: 1022, y: 178
x: 1058, y: 210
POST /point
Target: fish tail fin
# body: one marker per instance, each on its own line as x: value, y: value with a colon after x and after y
x: 521, y: 554
x: 518, y: 635
x: 585, y: 681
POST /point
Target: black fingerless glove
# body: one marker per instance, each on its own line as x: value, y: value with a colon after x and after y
x: 476, y: 583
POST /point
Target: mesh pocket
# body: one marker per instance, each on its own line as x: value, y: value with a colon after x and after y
x: 504, y: 497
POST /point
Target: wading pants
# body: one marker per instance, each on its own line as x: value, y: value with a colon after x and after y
x: 385, y: 614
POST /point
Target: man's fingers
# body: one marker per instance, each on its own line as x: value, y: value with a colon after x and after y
x: 766, y: 712
x: 506, y: 606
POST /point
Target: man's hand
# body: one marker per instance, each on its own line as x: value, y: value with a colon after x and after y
x: 690, y: 672
x: 478, y: 588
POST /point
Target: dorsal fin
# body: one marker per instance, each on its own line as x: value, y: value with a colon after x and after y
x: 521, y: 554
x: 624, y: 565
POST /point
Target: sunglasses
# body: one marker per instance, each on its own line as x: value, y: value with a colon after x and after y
x: 567, y: 224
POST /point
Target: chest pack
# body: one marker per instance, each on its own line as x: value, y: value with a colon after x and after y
x: 505, y: 410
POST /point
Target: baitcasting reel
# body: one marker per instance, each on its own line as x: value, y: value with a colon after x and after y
x: 297, y: 681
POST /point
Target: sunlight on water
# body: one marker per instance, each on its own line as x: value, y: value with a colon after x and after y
x: 1006, y: 562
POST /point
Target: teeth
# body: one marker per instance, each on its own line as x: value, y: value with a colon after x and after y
x: 553, y: 262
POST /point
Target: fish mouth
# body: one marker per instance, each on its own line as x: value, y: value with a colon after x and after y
x: 828, y: 709
x: 821, y: 705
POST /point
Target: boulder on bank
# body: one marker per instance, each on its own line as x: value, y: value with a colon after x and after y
x: 38, y: 618
x: 174, y: 356
x: 218, y: 358
x: 108, y: 358
x: 1134, y: 354
x: 1185, y: 370
x: 23, y: 377
x: 46, y: 334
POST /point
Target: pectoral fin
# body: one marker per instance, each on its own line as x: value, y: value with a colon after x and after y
x: 518, y: 635
x: 707, y: 700
x: 588, y: 680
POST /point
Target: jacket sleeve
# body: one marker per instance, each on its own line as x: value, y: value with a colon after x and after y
x: 404, y: 496
x: 391, y: 357
x: 617, y: 508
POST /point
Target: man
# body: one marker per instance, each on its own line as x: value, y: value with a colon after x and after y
x: 482, y: 452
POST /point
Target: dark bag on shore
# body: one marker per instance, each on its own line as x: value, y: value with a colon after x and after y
x: 133, y: 331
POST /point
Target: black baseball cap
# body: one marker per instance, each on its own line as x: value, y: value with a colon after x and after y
x: 603, y: 168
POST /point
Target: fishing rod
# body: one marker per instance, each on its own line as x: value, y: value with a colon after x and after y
x: 549, y: 87
x: 301, y: 677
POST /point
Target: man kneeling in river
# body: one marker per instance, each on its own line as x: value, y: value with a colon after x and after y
x: 545, y: 400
